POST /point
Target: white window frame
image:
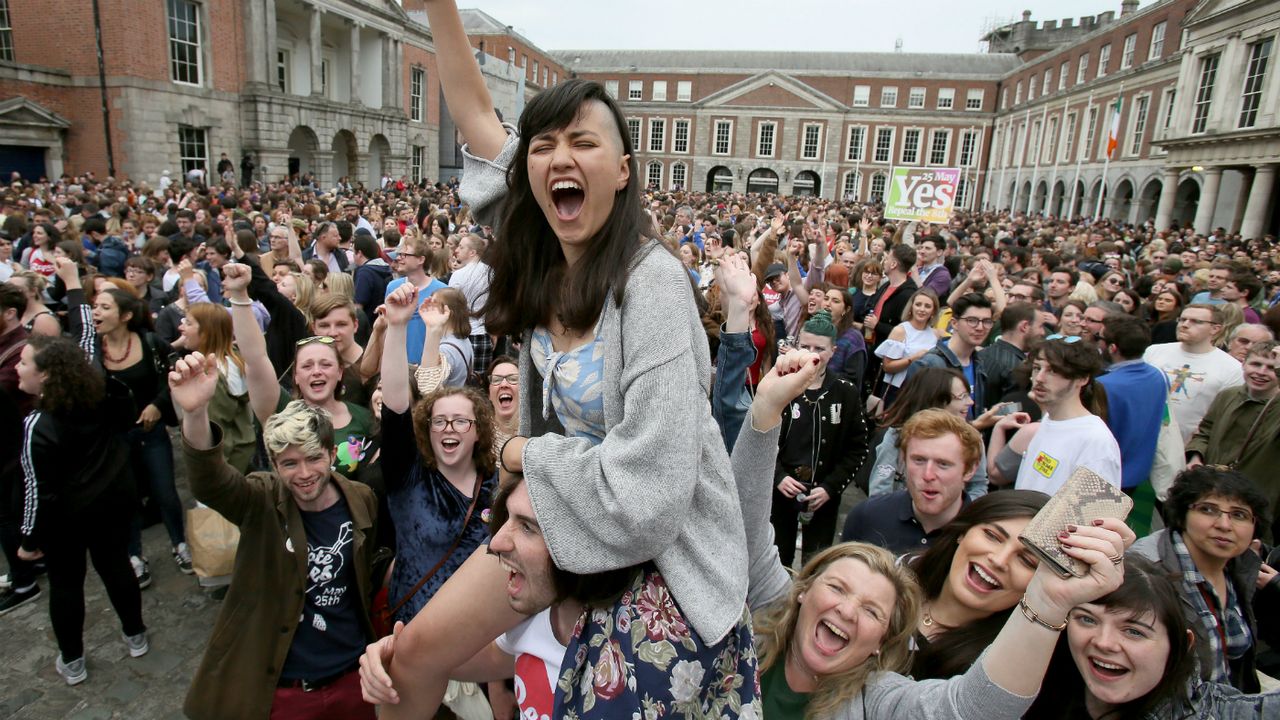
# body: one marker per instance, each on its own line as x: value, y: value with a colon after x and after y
x: 716, y: 135
x: 659, y: 92
x: 1202, y: 103
x: 658, y: 132
x: 417, y: 88
x: 180, y: 69
x: 1004, y: 98
x: 889, y: 96
x: 1091, y: 129
x: 544, y: 76
x: 635, y: 90
x: 1257, y: 64
x: 1031, y: 88
x: 511, y: 56
x: 1082, y: 68
x: 974, y: 99
x: 1017, y: 93
x: 326, y: 74
x: 916, y: 97
x: 1104, y: 59
x: 1128, y: 51
x: 535, y: 71
x: 773, y: 138
x: 677, y: 143
x: 683, y: 172
x: 611, y: 87
x: 888, y: 152
x: 1048, y: 81
x: 861, y: 95
x: 858, y: 152
x: 649, y: 179
x: 1032, y: 151
x: 972, y: 139
x: 882, y: 180
x: 6, y: 33
x: 1069, y: 136
x: 1157, y: 40
x: 804, y: 141
x: 856, y: 191
x: 684, y: 91
x: 946, y: 98
x: 189, y: 139
x: 1139, y: 113
x: 934, y: 135
x: 913, y: 159
x: 635, y: 126
x: 1050, y: 144
x: 1167, y: 98
x: 284, y: 69
x: 1063, y: 69
x: 417, y: 158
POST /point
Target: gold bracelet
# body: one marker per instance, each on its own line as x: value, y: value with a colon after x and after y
x: 1031, y: 615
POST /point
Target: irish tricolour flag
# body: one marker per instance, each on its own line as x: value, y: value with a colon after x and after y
x: 1113, y: 136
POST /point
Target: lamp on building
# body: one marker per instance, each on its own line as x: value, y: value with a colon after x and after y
x: 739, y: 168
x: 1197, y: 168
x: 786, y: 174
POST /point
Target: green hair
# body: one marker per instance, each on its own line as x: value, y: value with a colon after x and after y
x: 820, y: 324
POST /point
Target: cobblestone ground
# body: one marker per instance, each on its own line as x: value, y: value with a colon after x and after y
x: 179, y: 617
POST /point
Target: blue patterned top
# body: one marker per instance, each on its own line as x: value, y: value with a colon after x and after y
x: 572, y: 384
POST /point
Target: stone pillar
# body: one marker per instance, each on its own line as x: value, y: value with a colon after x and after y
x: 273, y: 163
x: 1242, y: 200
x: 1208, y: 200
x: 388, y: 72
x: 355, y: 63
x: 1168, y: 196
x: 315, y: 42
x: 272, y: 42
x: 1260, y: 198
x: 255, y: 45
x: 395, y: 89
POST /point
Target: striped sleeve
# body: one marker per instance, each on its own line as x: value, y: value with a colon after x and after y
x: 31, y: 486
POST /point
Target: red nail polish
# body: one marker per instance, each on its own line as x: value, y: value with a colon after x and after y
x: 1072, y: 528
x: 1098, y: 522
x: 1064, y: 535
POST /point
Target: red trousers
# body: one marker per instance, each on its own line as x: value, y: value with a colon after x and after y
x: 339, y: 700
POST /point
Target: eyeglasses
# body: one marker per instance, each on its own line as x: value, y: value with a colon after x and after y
x: 406, y: 254
x: 441, y: 423
x: 509, y: 379
x: 962, y: 395
x: 322, y: 339
x: 1068, y: 339
x: 976, y: 322
x: 1238, y: 516
x: 1195, y: 321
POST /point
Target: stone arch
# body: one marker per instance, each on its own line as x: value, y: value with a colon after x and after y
x: 379, y: 159
x: 345, y: 161
x: 1148, y: 199
x: 1186, y: 200
x: 1078, y: 204
x: 879, y: 187
x: 807, y: 183
x: 1057, y: 199
x: 719, y: 179
x: 1091, y: 204
x: 851, y: 185
x: 679, y: 175
x: 762, y: 180
x: 303, y: 149
x: 1122, y: 200
x: 1041, y: 197
x: 1024, y: 195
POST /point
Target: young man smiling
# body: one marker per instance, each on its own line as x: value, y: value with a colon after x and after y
x: 941, y: 453
x: 972, y: 321
x: 1197, y: 370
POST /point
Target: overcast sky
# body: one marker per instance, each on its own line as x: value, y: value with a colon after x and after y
x: 839, y: 25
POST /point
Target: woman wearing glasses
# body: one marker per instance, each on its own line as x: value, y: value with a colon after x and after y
x: 317, y: 377
x: 1230, y: 598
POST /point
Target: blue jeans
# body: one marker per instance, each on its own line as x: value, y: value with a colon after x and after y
x: 730, y: 400
x: 151, y: 458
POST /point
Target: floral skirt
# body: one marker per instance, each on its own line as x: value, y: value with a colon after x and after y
x: 640, y: 660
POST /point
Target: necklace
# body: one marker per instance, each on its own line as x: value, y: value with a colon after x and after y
x: 927, y: 619
x: 128, y: 348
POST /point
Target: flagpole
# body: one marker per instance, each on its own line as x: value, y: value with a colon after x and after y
x: 1035, y: 173
x: 1075, y: 184
x: 1106, y: 163
x: 1057, y: 156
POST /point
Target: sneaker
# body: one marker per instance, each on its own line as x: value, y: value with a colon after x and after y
x: 142, y: 571
x: 73, y: 672
x: 6, y: 582
x: 14, y: 599
x: 182, y: 556
x: 138, y: 645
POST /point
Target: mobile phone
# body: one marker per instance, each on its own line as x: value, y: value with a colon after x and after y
x: 1008, y: 408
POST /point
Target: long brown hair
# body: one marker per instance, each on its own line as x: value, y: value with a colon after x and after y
x: 216, y: 336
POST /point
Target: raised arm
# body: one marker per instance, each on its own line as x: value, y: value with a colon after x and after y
x: 401, y: 306
x: 259, y: 374
x: 462, y: 82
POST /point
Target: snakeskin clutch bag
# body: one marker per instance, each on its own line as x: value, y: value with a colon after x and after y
x: 1083, y: 498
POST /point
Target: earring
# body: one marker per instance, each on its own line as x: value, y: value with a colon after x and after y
x: 800, y: 597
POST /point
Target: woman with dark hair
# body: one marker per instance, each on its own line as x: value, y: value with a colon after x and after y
x: 1071, y: 317
x: 849, y: 361
x: 621, y: 399
x: 1162, y: 314
x: 79, y: 496
x: 866, y: 277
x: 1131, y: 655
x: 39, y: 256
x: 972, y: 575
x: 116, y: 332
x: 1128, y: 300
x: 1212, y: 515
x: 928, y: 388
x: 503, y: 381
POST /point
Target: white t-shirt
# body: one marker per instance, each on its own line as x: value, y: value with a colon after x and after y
x: 1195, y: 379
x: 538, y: 655
x: 1060, y: 446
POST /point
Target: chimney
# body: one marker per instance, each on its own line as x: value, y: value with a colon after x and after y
x: 1026, y: 16
x: 1128, y: 7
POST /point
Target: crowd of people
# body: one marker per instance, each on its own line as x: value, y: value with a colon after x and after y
x: 549, y: 442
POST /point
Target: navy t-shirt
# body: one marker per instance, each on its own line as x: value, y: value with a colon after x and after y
x: 330, y: 637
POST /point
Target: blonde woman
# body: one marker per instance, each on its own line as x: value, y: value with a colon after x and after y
x: 37, y: 318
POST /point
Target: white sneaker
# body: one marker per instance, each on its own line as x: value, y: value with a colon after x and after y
x: 182, y: 556
x: 138, y: 645
x: 6, y: 582
x: 73, y: 672
x: 141, y: 571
